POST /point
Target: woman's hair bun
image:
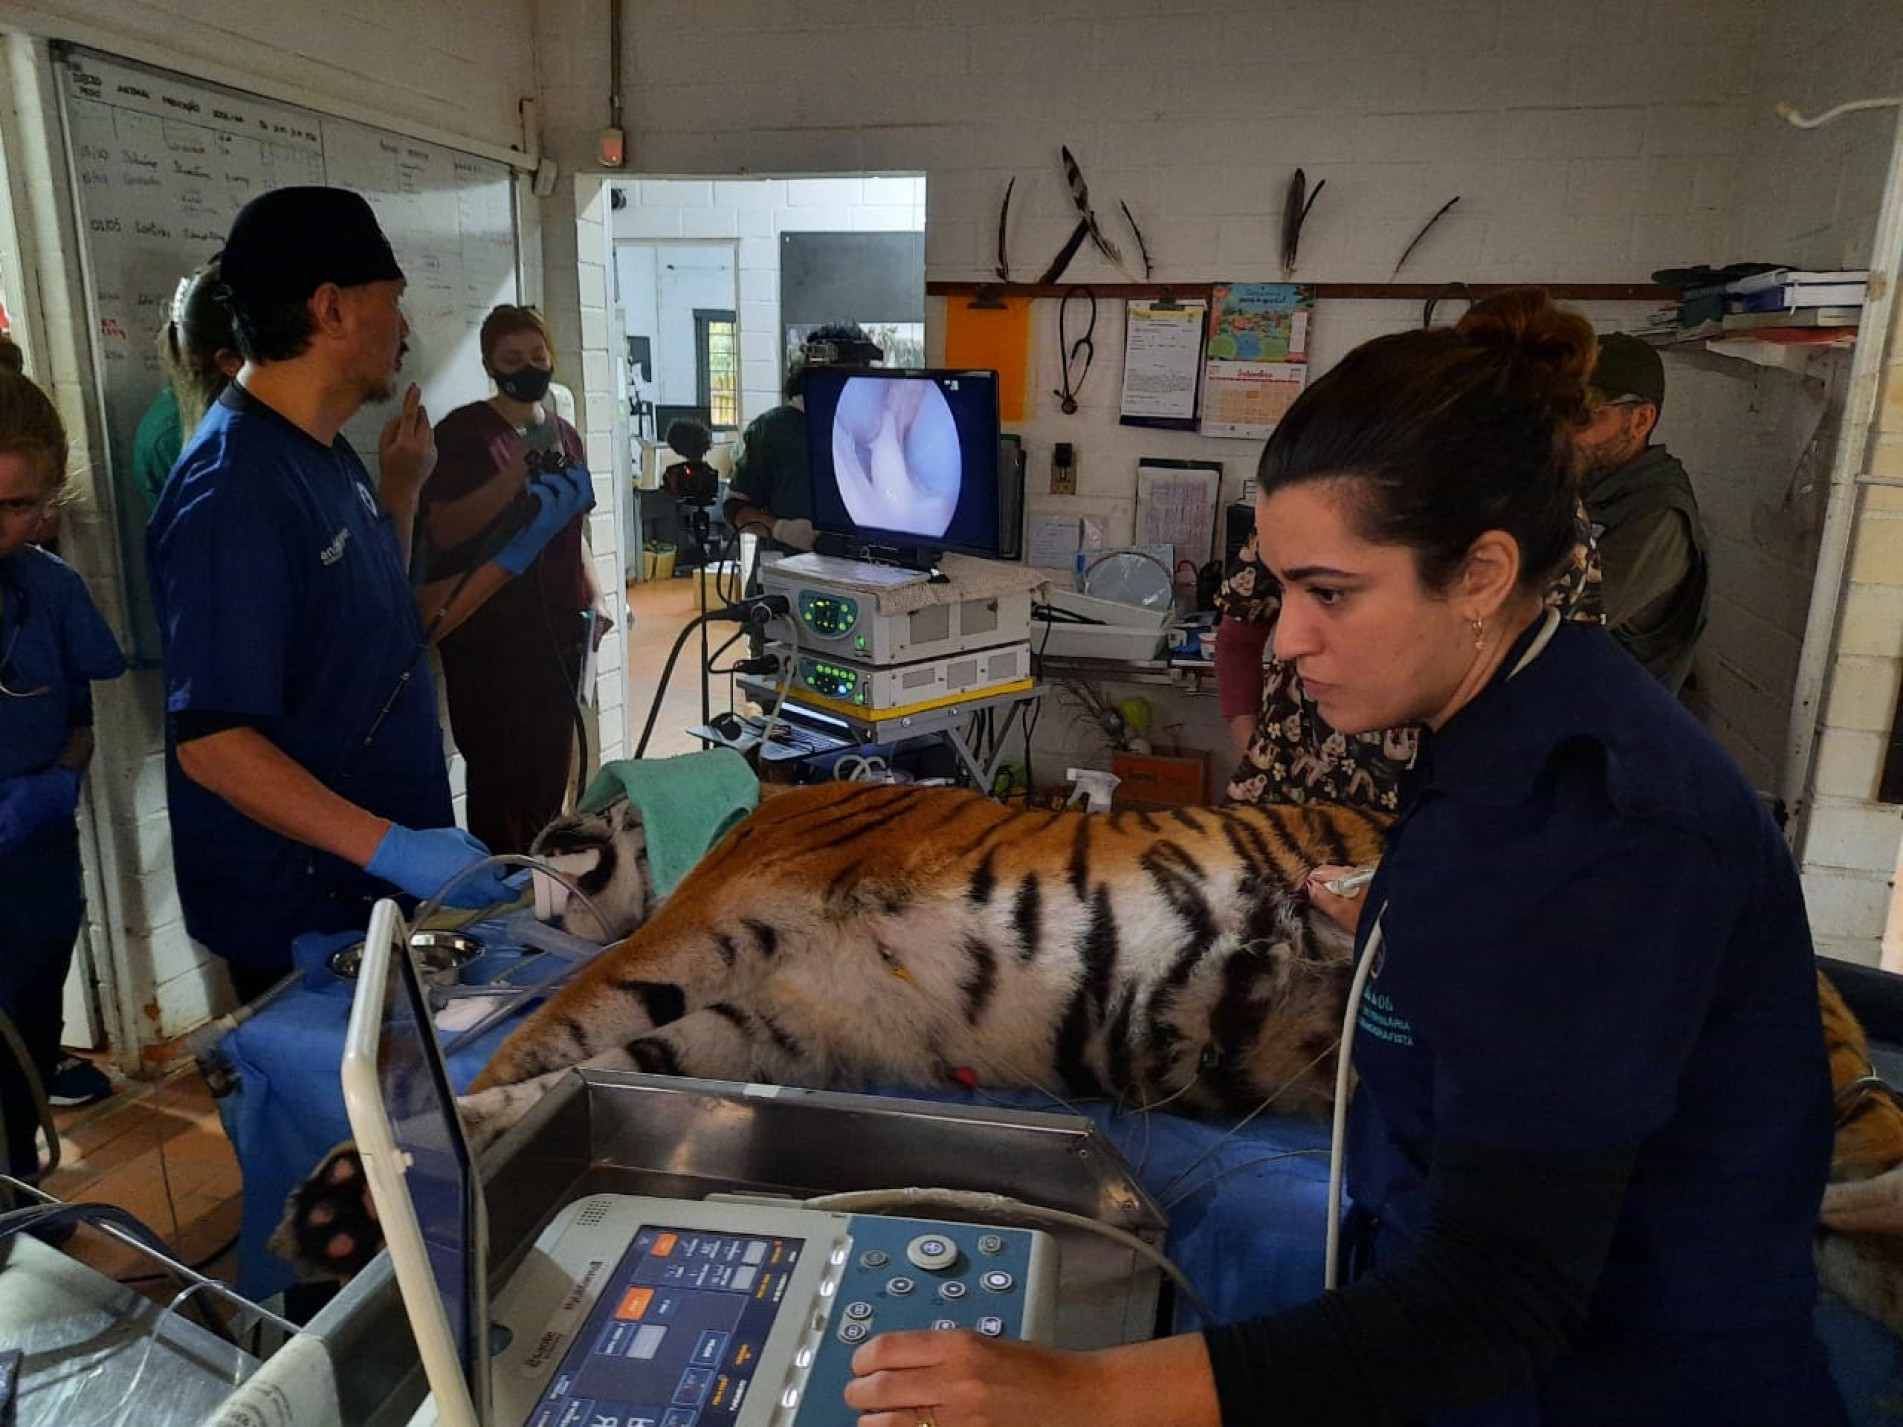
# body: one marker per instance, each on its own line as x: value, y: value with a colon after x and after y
x: 12, y: 359
x: 1544, y: 347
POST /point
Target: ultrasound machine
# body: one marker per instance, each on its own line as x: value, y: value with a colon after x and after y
x: 633, y: 1310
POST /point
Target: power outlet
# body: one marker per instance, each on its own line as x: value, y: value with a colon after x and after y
x: 1063, y: 469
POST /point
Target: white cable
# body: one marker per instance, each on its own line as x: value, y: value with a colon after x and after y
x: 1338, y: 1136
x: 786, y: 681
x: 1789, y: 112
x: 117, y: 1412
x: 993, y: 1205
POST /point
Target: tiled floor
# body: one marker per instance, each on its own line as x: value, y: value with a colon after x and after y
x: 157, y: 1149
x: 660, y: 608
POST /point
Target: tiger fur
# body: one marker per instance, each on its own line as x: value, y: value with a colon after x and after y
x: 854, y: 935
x: 1860, y: 1251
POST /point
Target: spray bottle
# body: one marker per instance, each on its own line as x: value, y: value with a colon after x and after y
x: 1092, y: 787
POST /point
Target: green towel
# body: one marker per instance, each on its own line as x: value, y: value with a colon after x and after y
x: 687, y: 804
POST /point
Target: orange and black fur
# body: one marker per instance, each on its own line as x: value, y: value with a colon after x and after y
x: 1860, y: 1252
x: 852, y: 935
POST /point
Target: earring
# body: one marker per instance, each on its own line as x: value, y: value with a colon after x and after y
x: 1480, y: 634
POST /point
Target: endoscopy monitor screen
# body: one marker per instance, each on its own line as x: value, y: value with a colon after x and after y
x: 904, y: 458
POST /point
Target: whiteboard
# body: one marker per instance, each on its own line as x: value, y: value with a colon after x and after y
x: 160, y: 165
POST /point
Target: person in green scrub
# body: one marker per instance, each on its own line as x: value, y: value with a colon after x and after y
x: 200, y: 357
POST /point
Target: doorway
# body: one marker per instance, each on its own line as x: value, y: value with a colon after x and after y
x: 700, y: 301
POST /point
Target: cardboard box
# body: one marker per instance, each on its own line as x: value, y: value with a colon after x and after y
x: 1154, y: 780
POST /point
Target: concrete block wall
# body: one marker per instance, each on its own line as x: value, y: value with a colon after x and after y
x: 1568, y: 166
x: 1810, y: 197
x: 1853, y: 858
x: 453, y: 68
x: 1574, y: 160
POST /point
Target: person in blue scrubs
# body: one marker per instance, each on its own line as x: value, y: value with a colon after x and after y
x: 305, y: 767
x: 53, y: 645
x: 1593, y: 1118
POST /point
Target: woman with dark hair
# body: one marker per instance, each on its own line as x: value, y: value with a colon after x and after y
x: 512, y: 669
x: 1593, y: 1117
x: 199, y: 356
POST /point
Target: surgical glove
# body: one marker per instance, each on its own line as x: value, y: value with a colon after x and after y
x: 798, y: 534
x: 421, y: 860
x: 560, y: 496
x: 36, y: 800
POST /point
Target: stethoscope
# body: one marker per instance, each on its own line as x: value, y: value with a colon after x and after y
x: 14, y: 608
x: 1069, y: 352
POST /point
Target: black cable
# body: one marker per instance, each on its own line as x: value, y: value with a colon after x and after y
x: 1036, y: 711
x: 667, y: 673
x: 576, y: 707
x: 741, y: 609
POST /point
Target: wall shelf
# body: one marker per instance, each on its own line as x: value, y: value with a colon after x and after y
x: 1793, y: 350
x: 1371, y: 291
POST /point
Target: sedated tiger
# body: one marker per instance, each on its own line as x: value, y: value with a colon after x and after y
x: 852, y: 935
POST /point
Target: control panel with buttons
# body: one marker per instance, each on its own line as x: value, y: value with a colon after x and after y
x: 915, y: 1273
x: 692, y: 1313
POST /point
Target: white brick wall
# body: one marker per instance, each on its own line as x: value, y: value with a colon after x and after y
x: 451, y: 67
x: 1587, y: 143
x: 1399, y: 106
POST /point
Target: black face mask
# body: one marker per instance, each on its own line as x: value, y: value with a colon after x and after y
x: 526, y: 384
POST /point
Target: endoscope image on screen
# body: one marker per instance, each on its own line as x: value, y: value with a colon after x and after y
x: 897, y: 457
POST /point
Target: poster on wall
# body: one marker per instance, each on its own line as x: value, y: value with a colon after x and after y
x: 1162, y: 358
x: 1257, y: 356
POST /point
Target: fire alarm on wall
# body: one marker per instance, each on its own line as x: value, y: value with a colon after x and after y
x: 613, y: 150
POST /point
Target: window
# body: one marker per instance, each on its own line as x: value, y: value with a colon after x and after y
x: 717, y: 364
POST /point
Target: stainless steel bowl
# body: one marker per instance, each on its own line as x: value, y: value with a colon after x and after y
x: 345, y: 963
x: 440, y: 956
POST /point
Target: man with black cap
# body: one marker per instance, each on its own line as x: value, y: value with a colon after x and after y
x: 1643, y: 511
x: 771, y: 489
x: 305, y: 771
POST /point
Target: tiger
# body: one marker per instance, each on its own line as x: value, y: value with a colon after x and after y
x: 853, y: 935
x: 1860, y: 1248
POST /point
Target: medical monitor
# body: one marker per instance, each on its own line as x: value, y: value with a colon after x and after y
x: 904, y: 461
x: 422, y: 1177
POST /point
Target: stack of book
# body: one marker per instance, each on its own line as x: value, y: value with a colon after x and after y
x: 1796, y: 297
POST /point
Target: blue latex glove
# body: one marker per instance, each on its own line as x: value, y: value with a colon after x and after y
x: 421, y: 860
x: 32, y: 801
x: 560, y: 497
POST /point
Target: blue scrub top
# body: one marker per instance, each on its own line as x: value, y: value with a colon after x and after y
x: 1595, y: 939
x: 283, y: 602
x: 52, y: 637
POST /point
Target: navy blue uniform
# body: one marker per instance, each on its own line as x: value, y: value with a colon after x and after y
x: 284, y: 605
x: 52, y: 638
x: 1593, y: 1121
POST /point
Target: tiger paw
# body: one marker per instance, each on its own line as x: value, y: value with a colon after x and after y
x: 330, y: 1228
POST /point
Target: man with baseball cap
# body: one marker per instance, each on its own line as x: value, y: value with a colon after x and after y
x: 305, y: 770
x: 1643, y: 511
